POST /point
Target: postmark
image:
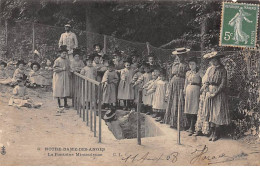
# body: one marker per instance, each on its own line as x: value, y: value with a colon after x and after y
x: 239, y: 25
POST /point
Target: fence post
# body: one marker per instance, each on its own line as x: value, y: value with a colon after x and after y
x: 99, y: 111
x: 33, y: 40
x: 105, y: 44
x: 138, y: 118
x: 148, y: 48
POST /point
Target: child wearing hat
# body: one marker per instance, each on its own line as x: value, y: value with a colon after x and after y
x: 4, y: 78
x: 109, y: 86
x: 19, y: 72
x: 61, y: 77
x: 20, y: 97
x: 159, y: 89
x: 125, y: 87
x: 76, y: 64
x: 143, y: 79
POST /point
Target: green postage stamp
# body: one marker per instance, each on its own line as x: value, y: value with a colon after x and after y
x: 239, y: 24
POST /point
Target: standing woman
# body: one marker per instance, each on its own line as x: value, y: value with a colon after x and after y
x: 61, y: 81
x: 192, y: 94
x: 176, y: 85
x: 216, y: 98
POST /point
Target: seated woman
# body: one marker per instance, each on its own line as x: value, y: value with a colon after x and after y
x: 35, y: 77
x: 20, y: 97
x: 4, y: 78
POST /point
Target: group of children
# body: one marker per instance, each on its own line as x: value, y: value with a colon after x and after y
x: 23, y: 78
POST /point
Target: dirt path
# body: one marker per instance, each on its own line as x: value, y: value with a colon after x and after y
x: 33, y: 136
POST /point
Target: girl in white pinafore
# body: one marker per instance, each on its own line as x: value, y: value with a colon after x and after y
x: 159, y: 103
x: 125, y: 87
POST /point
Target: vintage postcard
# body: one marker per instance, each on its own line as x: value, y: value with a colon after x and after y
x: 129, y: 83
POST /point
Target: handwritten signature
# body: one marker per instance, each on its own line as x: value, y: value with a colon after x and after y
x: 172, y: 157
x: 201, y: 155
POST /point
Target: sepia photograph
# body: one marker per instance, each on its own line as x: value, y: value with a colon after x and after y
x: 129, y: 83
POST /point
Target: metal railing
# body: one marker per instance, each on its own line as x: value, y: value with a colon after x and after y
x: 86, y: 96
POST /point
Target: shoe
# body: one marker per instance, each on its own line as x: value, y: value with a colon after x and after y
x: 161, y: 122
x: 171, y: 127
x: 148, y: 113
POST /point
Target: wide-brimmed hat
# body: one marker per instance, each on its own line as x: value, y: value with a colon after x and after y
x: 35, y: 63
x: 67, y: 25
x: 213, y: 54
x: 109, y: 114
x: 98, y: 44
x: 179, y: 51
x: 3, y: 63
x: 76, y: 51
x: 20, y: 62
x: 128, y: 60
x: 63, y: 48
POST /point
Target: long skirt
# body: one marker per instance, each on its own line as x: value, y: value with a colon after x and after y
x: 176, y: 103
x: 202, y: 123
x: 218, y: 108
